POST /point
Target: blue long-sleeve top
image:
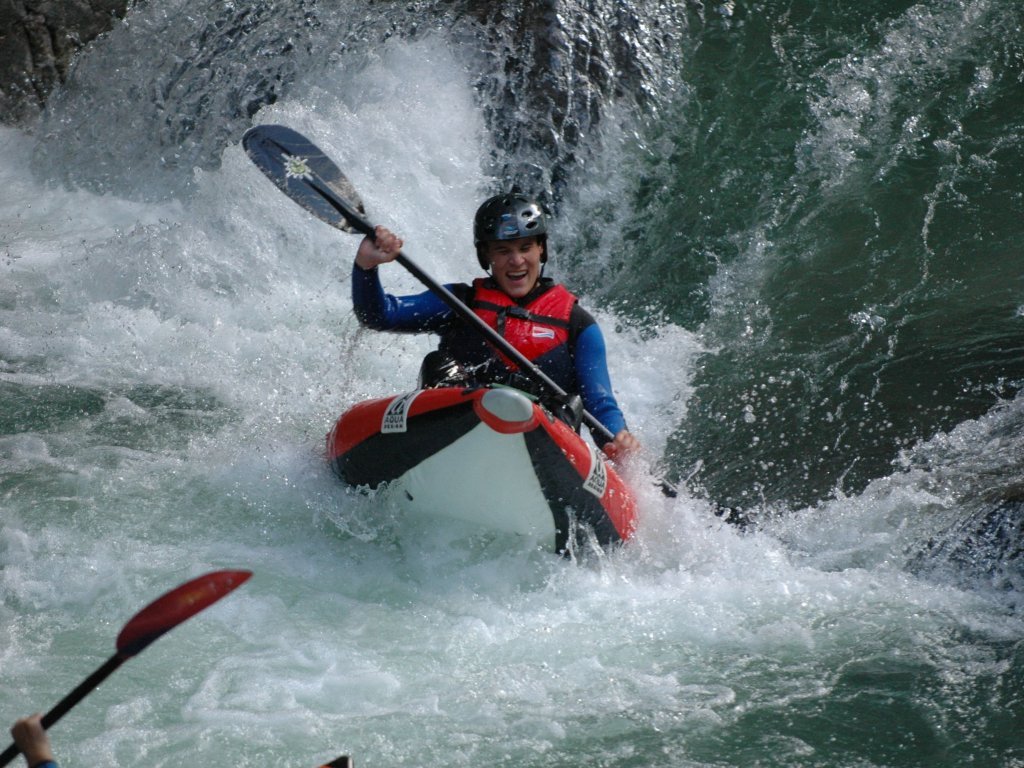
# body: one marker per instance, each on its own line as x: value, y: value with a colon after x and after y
x: 427, y: 313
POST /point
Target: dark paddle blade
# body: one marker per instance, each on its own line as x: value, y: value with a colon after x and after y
x: 306, y: 175
x: 340, y: 762
x: 181, y: 603
x: 160, y: 616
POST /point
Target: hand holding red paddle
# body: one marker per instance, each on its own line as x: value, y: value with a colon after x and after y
x: 160, y: 616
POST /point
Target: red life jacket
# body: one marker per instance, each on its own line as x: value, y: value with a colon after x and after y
x: 536, y: 329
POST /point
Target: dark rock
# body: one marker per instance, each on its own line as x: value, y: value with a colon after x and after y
x: 38, y: 40
x: 985, y: 546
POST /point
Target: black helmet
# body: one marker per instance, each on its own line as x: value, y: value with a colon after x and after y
x: 508, y: 217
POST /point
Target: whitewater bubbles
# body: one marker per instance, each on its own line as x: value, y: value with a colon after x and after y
x: 862, y: 106
x: 748, y: 414
x: 867, y: 320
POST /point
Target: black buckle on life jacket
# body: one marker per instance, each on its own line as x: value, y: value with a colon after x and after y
x: 571, y: 412
x: 514, y: 311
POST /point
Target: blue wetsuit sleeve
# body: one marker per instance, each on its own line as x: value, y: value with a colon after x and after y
x: 381, y: 311
x: 595, y: 383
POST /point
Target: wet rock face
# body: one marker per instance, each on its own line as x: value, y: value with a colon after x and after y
x: 984, y: 547
x: 38, y: 39
x: 557, y: 64
x: 546, y: 73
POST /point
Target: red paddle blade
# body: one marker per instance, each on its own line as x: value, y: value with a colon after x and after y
x: 169, y: 610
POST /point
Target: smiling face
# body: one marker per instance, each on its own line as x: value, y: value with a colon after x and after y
x: 515, y: 264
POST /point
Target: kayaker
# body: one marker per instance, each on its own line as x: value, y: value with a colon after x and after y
x: 31, y: 738
x: 538, y: 316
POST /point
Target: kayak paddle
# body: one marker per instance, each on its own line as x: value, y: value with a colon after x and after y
x: 160, y: 616
x: 304, y: 173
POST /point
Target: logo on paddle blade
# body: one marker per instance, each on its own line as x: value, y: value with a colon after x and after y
x: 297, y: 168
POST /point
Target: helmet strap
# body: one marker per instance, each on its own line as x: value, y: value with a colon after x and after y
x: 481, y: 256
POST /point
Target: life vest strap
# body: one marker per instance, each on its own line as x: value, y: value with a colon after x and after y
x: 519, y: 313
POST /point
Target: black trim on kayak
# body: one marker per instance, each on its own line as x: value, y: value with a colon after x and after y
x: 552, y: 468
x: 383, y: 458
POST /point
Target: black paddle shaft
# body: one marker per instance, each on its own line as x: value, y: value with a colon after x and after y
x: 69, y: 701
